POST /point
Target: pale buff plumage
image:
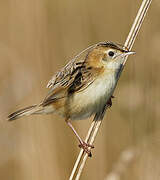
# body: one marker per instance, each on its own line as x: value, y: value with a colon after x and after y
x: 97, y: 80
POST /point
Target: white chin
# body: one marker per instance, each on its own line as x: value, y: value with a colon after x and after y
x: 113, y: 65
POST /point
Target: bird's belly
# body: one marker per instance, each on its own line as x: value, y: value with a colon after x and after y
x: 92, y: 99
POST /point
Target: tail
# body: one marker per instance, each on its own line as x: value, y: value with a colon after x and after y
x: 35, y: 109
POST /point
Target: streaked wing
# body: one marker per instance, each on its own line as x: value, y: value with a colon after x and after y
x: 74, y: 77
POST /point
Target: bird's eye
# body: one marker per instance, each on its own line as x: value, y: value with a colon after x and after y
x: 111, y: 53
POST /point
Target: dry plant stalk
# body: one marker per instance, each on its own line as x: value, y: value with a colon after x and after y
x: 92, y: 132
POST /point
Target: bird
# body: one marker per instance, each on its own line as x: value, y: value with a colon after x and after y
x: 83, y: 87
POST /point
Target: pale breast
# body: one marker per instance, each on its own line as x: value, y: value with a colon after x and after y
x: 93, y: 98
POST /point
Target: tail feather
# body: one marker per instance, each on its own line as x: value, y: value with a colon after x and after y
x: 24, y: 112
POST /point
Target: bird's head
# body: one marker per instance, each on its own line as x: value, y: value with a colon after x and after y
x: 109, y: 55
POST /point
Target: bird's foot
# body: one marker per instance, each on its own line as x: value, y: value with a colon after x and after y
x: 109, y: 102
x: 86, y: 147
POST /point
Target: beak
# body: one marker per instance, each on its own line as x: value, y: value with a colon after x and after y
x: 127, y: 53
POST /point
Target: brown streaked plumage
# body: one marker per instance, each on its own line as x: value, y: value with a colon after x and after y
x: 84, y: 87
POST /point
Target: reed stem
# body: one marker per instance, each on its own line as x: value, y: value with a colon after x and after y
x: 93, y: 130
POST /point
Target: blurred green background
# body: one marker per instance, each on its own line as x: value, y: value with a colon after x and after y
x: 36, y: 39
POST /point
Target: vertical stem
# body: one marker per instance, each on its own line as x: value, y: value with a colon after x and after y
x: 81, y: 160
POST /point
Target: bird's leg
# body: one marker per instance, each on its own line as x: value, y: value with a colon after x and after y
x: 82, y: 144
x: 109, y: 102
